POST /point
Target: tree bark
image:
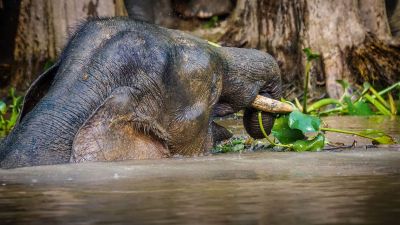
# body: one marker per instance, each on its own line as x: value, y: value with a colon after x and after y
x: 8, y: 30
x: 352, y: 36
x: 393, y: 11
x: 44, y: 27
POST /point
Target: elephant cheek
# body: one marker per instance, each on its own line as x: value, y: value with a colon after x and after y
x: 251, y: 123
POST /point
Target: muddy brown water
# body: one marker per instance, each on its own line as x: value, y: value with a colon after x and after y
x: 349, y: 186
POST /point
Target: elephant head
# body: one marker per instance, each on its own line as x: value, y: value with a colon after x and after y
x: 248, y: 73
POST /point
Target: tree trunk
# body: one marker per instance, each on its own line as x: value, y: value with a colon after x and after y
x: 393, y: 11
x: 43, y: 29
x: 8, y: 30
x: 352, y: 36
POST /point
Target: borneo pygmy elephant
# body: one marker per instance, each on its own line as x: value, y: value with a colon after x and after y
x: 125, y: 89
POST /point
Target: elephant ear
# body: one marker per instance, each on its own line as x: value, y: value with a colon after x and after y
x: 116, y: 131
x: 38, y: 89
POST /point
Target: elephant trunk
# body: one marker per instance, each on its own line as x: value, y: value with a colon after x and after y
x: 271, y: 89
x: 252, y: 124
x: 44, y: 136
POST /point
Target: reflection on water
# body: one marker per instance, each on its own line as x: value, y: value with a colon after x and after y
x: 349, y: 187
x: 343, y: 200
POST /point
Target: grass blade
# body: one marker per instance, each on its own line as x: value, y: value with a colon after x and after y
x: 321, y: 103
x: 384, y: 91
x: 392, y: 104
x: 379, y: 97
x: 378, y: 105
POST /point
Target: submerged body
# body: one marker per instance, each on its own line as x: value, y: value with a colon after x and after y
x: 124, y: 89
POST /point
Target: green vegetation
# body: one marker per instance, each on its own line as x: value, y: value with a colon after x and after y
x: 232, y: 145
x: 363, y: 101
x: 9, y: 113
x: 49, y: 63
x: 360, y: 102
x: 211, y: 23
x: 300, y: 131
x: 310, y: 57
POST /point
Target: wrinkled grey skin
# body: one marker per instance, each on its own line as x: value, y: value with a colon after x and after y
x: 124, y: 89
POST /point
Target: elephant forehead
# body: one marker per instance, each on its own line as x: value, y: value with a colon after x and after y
x: 192, y: 60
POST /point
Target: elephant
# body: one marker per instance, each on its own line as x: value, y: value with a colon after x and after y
x: 127, y: 89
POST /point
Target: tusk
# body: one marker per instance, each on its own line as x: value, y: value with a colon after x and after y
x: 271, y: 105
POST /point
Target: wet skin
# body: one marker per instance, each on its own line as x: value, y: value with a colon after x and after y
x: 124, y: 89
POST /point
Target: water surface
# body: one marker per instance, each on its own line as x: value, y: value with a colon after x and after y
x: 352, y: 186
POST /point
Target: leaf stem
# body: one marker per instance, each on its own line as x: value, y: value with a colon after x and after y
x: 322, y: 103
x: 389, y: 88
x: 306, y: 80
x: 337, y: 109
x: 378, y: 105
x: 260, y: 122
x: 347, y: 132
x: 379, y: 97
x: 343, y: 131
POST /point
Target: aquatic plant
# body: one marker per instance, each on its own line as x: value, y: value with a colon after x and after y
x: 310, y: 56
x: 9, y: 113
x: 236, y: 144
x: 363, y: 101
x: 301, y: 132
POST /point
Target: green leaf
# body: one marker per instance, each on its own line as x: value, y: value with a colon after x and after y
x: 237, y: 147
x: 310, y: 55
x: 304, y: 123
x: 284, y: 133
x: 366, y: 85
x: 12, y: 92
x: 315, y: 144
x: 48, y: 64
x: 211, y: 23
x: 362, y: 109
x: 385, y: 139
x: 359, y: 108
x: 17, y: 102
x: 381, y: 108
x: 233, y: 145
x: 377, y: 136
x: 238, y: 141
x: 3, y: 107
x: 348, y: 101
